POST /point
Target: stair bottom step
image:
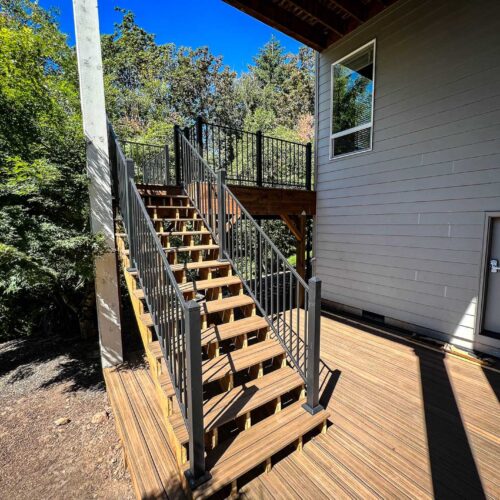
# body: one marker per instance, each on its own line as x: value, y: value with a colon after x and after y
x: 253, y: 447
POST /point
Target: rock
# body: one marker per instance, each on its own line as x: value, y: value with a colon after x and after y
x: 62, y: 421
x: 100, y: 417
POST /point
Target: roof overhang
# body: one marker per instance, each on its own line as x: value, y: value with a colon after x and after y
x: 316, y: 23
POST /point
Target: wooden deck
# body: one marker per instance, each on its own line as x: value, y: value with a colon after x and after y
x: 407, y: 421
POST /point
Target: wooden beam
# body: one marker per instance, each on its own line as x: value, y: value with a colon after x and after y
x: 265, y: 202
x: 355, y: 9
x: 283, y: 20
x: 325, y: 16
x: 88, y: 50
x: 293, y: 225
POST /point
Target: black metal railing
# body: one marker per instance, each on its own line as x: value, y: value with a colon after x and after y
x: 200, y: 183
x: 282, y: 296
x: 290, y: 305
x: 152, y: 163
x: 176, y: 322
x: 252, y: 158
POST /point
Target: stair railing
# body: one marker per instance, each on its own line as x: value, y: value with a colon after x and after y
x: 291, y: 306
x: 200, y: 182
x: 176, y: 322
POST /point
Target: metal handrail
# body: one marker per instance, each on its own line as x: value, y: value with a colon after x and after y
x: 289, y: 304
x: 176, y: 322
x: 256, y: 260
x: 200, y: 183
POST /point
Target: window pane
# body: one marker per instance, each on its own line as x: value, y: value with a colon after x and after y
x: 350, y: 143
x: 352, y: 91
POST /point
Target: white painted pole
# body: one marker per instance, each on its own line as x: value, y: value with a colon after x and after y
x: 88, y: 49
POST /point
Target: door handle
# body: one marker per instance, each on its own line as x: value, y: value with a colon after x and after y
x: 494, y: 267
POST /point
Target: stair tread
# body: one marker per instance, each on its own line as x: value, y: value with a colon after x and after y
x: 233, y: 362
x: 209, y: 307
x: 174, y: 219
x: 147, y: 319
x: 210, y: 283
x: 145, y: 190
x: 191, y: 248
x: 220, y: 332
x: 238, y: 401
x: 182, y: 233
x: 187, y: 207
x: 233, y: 329
x: 172, y: 233
x: 213, y: 306
x: 166, y: 384
x: 253, y: 446
x: 204, y: 264
x: 155, y: 349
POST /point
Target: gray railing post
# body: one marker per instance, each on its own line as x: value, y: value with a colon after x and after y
x: 129, y: 175
x: 166, y: 175
x: 199, y: 134
x: 196, y: 474
x: 308, y: 166
x: 177, y: 153
x: 258, y: 154
x: 221, y: 211
x: 313, y: 346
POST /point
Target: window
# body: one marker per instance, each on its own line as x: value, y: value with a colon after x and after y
x: 353, y: 80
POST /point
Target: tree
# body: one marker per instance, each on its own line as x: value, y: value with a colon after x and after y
x: 46, y: 249
x: 151, y: 87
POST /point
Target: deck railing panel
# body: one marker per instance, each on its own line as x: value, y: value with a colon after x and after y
x: 152, y: 163
x: 252, y: 158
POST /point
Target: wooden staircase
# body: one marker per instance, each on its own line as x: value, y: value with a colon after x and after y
x: 252, y: 397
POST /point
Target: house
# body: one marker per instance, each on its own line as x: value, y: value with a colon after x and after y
x: 241, y: 368
x: 407, y: 160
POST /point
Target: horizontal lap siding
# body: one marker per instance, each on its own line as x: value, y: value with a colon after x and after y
x: 400, y: 228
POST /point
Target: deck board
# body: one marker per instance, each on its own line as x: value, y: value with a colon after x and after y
x: 406, y: 422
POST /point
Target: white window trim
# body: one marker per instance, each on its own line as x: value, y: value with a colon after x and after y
x: 359, y: 127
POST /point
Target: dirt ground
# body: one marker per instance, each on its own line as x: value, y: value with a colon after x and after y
x: 57, y: 430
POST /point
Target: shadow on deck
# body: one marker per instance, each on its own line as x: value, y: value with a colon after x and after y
x: 406, y: 421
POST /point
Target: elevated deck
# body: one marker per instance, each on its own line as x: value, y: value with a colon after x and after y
x: 407, y: 421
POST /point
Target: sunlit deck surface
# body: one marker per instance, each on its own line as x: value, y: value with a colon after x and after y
x: 406, y: 421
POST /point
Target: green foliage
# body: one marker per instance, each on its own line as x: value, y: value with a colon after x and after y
x: 46, y: 248
x: 151, y: 87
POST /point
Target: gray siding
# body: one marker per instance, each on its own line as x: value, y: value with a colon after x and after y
x: 400, y: 228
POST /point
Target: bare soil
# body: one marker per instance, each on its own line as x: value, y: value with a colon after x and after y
x: 47, y: 380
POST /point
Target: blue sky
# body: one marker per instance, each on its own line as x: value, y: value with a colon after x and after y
x: 226, y: 30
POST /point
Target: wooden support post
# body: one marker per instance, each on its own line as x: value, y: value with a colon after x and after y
x: 301, y: 247
x: 88, y: 50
